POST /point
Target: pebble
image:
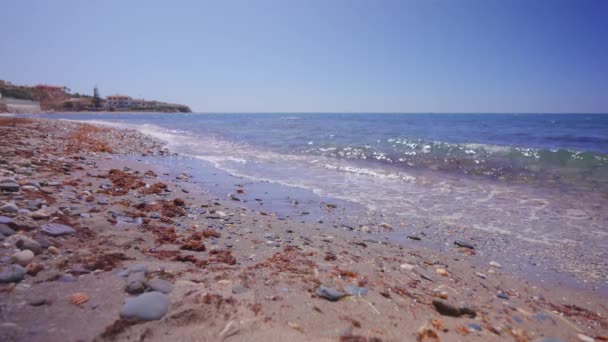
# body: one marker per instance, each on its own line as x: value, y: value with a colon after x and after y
x: 474, y: 326
x: 57, y: 229
x: 9, y: 187
x: 414, y: 237
x: 160, y: 285
x: 9, y: 208
x: 502, y: 295
x: 85, y: 215
x: 40, y: 215
x: 12, y: 274
x: 329, y: 293
x: 23, y: 242
x: 22, y: 257
x: 53, y: 250
x: 442, y: 272
x: 463, y: 244
x: 585, y: 338
x: 7, y: 221
x: 446, y: 309
x: 481, y: 275
x: 136, y: 283
x: 495, y: 264
x: 149, y: 306
x: 25, y: 223
x: 6, y: 230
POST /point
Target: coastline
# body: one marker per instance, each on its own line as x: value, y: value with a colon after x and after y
x: 258, y: 274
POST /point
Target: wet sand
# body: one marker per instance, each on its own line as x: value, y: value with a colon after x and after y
x: 246, y: 265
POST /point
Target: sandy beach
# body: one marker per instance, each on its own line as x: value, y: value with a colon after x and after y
x: 100, y: 244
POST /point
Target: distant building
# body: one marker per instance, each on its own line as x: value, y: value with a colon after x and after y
x: 51, y: 90
x: 119, y: 101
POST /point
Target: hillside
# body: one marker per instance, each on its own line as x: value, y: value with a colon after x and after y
x: 59, y: 99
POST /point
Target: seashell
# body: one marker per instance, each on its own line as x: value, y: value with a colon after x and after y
x: 79, y: 298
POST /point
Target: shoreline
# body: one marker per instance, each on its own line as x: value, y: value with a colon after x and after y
x: 251, y: 274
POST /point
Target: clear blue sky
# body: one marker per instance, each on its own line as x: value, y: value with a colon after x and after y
x: 318, y: 55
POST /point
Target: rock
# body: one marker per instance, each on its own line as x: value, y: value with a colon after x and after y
x: 6, y: 230
x: 474, y: 326
x: 585, y: 338
x: 132, y: 269
x: 136, y: 282
x: 53, y: 250
x: 481, y: 275
x: 154, y: 215
x: 25, y: 243
x: 446, y: 309
x: 148, y: 306
x: 239, y: 289
x: 414, y: 237
x: 495, y: 264
x: 85, y: 215
x: 25, y: 223
x: 549, y: 339
x: 40, y: 215
x: 9, y: 208
x: 56, y: 229
x: 407, y: 267
x: 329, y: 293
x: 160, y: 285
x: 9, y: 187
x: 22, y: 257
x: 465, y: 310
x: 355, y: 291
x: 12, y: 274
x: 24, y: 211
x: 502, y: 295
x: 37, y: 301
x: 463, y: 244
x: 7, y: 221
x: 442, y: 272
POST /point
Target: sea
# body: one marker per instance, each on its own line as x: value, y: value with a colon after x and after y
x: 538, y: 180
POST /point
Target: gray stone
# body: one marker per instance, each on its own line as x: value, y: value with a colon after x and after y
x: 329, y: 293
x: 446, y: 309
x: 6, y: 230
x: 149, y: 306
x: 23, y: 257
x: 12, y: 274
x: 9, y: 187
x: 7, y: 221
x: 56, y: 229
x: 9, y: 208
x: 136, y: 283
x: 464, y: 244
x: 160, y: 285
x: 502, y: 295
x: 25, y: 223
x: 25, y: 243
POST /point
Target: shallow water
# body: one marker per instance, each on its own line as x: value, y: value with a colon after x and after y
x: 541, y: 180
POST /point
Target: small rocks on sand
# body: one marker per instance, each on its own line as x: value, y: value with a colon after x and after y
x: 25, y: 223
x: 329, y: 293
x: 24, y: 243
x: 9, y: 187
x: 149, y: 306
x: 12, y: 274
x: 57, y: 229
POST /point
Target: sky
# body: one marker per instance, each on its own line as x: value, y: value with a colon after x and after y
x: 507, y: 56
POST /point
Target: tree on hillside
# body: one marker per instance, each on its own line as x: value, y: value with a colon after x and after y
x: 96, y: 98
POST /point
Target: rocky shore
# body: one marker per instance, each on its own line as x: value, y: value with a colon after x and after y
x: 95, y: 247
